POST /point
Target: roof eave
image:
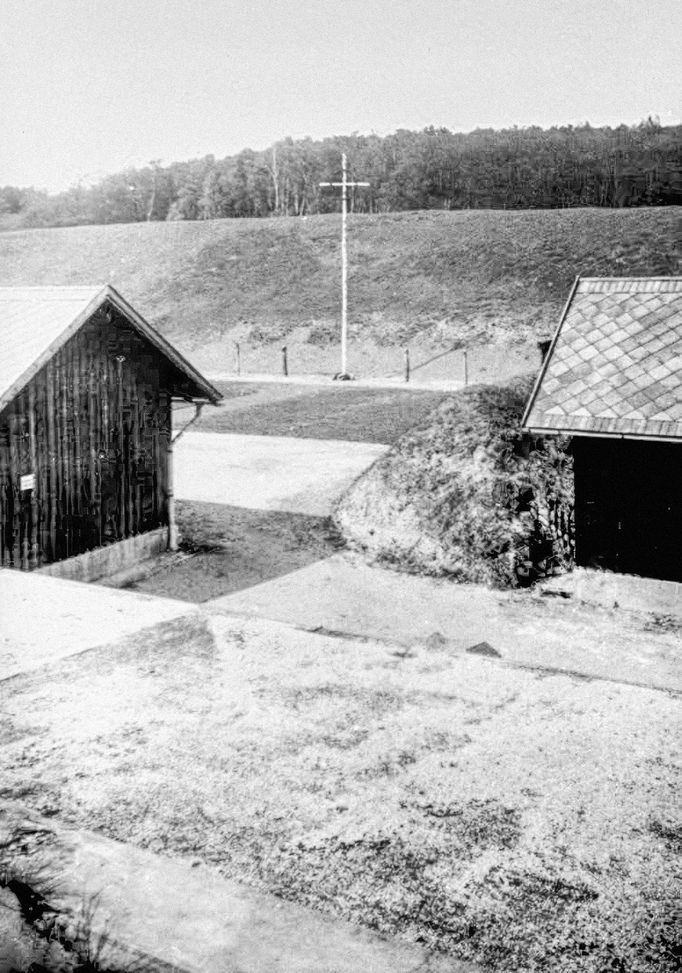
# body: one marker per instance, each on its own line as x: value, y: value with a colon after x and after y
x: 574, y: 433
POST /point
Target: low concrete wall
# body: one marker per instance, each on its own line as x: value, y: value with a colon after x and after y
x: 105, y: 561
x: 620, y: 591
x: 159, y: 913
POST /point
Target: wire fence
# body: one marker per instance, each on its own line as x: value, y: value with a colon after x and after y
x: 458, y: 367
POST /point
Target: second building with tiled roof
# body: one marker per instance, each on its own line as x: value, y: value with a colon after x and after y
x: 612, y: 380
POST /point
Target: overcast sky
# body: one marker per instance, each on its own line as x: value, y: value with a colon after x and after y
x: 88, y: 87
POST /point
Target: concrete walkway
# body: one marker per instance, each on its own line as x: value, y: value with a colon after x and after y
x: 611, y: 590
x: 269, y: 472
x: 342, y: 594
x: 43, y: 619
x: 192, y: 919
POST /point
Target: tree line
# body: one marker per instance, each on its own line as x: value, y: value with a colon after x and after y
x: 514, y: 168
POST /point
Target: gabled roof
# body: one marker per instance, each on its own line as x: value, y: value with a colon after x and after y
x: 36, y: 321
x: 614, y: 367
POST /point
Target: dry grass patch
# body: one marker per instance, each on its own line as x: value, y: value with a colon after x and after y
x: 477, y: 809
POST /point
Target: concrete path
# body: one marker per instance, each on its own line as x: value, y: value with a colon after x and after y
x: 343, y: 594
x: 43, y: 619
x: 628, y: 591
x: 269, y: 472
x: 195, y: 921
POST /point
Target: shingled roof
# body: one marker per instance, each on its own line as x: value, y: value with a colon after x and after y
x: 36, y: 321
x: 614, y: 367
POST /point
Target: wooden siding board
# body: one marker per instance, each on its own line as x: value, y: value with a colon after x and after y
x: 51, y: 495
x: 12, y: 491
x: 34, y: 556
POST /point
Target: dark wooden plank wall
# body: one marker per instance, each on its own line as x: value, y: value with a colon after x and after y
x: 93, y: 426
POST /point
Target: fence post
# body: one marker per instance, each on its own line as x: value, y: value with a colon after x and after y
x: 239, y: 360
x: 466, y: 367
x: 285, y: 366
x: 407, y: 364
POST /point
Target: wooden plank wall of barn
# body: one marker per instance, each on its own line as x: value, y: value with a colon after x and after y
x: 93, y: 427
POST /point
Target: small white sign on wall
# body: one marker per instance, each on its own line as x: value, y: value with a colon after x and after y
x: 27, y: 481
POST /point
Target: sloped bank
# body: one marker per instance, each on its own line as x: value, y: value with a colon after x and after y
x: 467, y: 495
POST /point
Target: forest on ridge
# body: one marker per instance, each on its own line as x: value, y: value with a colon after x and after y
x: 514, y: 168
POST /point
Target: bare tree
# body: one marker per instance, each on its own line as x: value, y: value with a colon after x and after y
x: 152, y: 200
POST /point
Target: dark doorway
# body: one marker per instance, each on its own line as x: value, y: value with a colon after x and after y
x: 628, y: 506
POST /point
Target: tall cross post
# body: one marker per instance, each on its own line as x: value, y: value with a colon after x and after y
x: 344, y: 186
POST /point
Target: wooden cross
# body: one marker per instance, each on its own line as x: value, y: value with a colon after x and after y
x: 344, y: 185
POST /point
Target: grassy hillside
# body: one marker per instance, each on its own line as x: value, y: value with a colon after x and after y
x: 465, y: 495
x: 435, y: 279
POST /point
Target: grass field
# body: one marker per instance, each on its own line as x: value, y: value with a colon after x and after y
x: 433, y: 279
x: 338, y: 412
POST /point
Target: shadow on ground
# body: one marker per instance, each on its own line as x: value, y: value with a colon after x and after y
x: 226, y: 549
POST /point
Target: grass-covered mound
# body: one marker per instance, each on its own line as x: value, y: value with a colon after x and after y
x: 467, y: 495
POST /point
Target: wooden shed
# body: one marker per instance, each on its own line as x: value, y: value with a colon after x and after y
x: 612, y: 380
x: 86, y: 393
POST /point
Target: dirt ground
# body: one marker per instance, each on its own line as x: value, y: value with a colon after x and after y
x: 226, y: 549
x: 520, y: 819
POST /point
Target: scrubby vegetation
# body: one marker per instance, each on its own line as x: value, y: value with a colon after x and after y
x: 467, y: 495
